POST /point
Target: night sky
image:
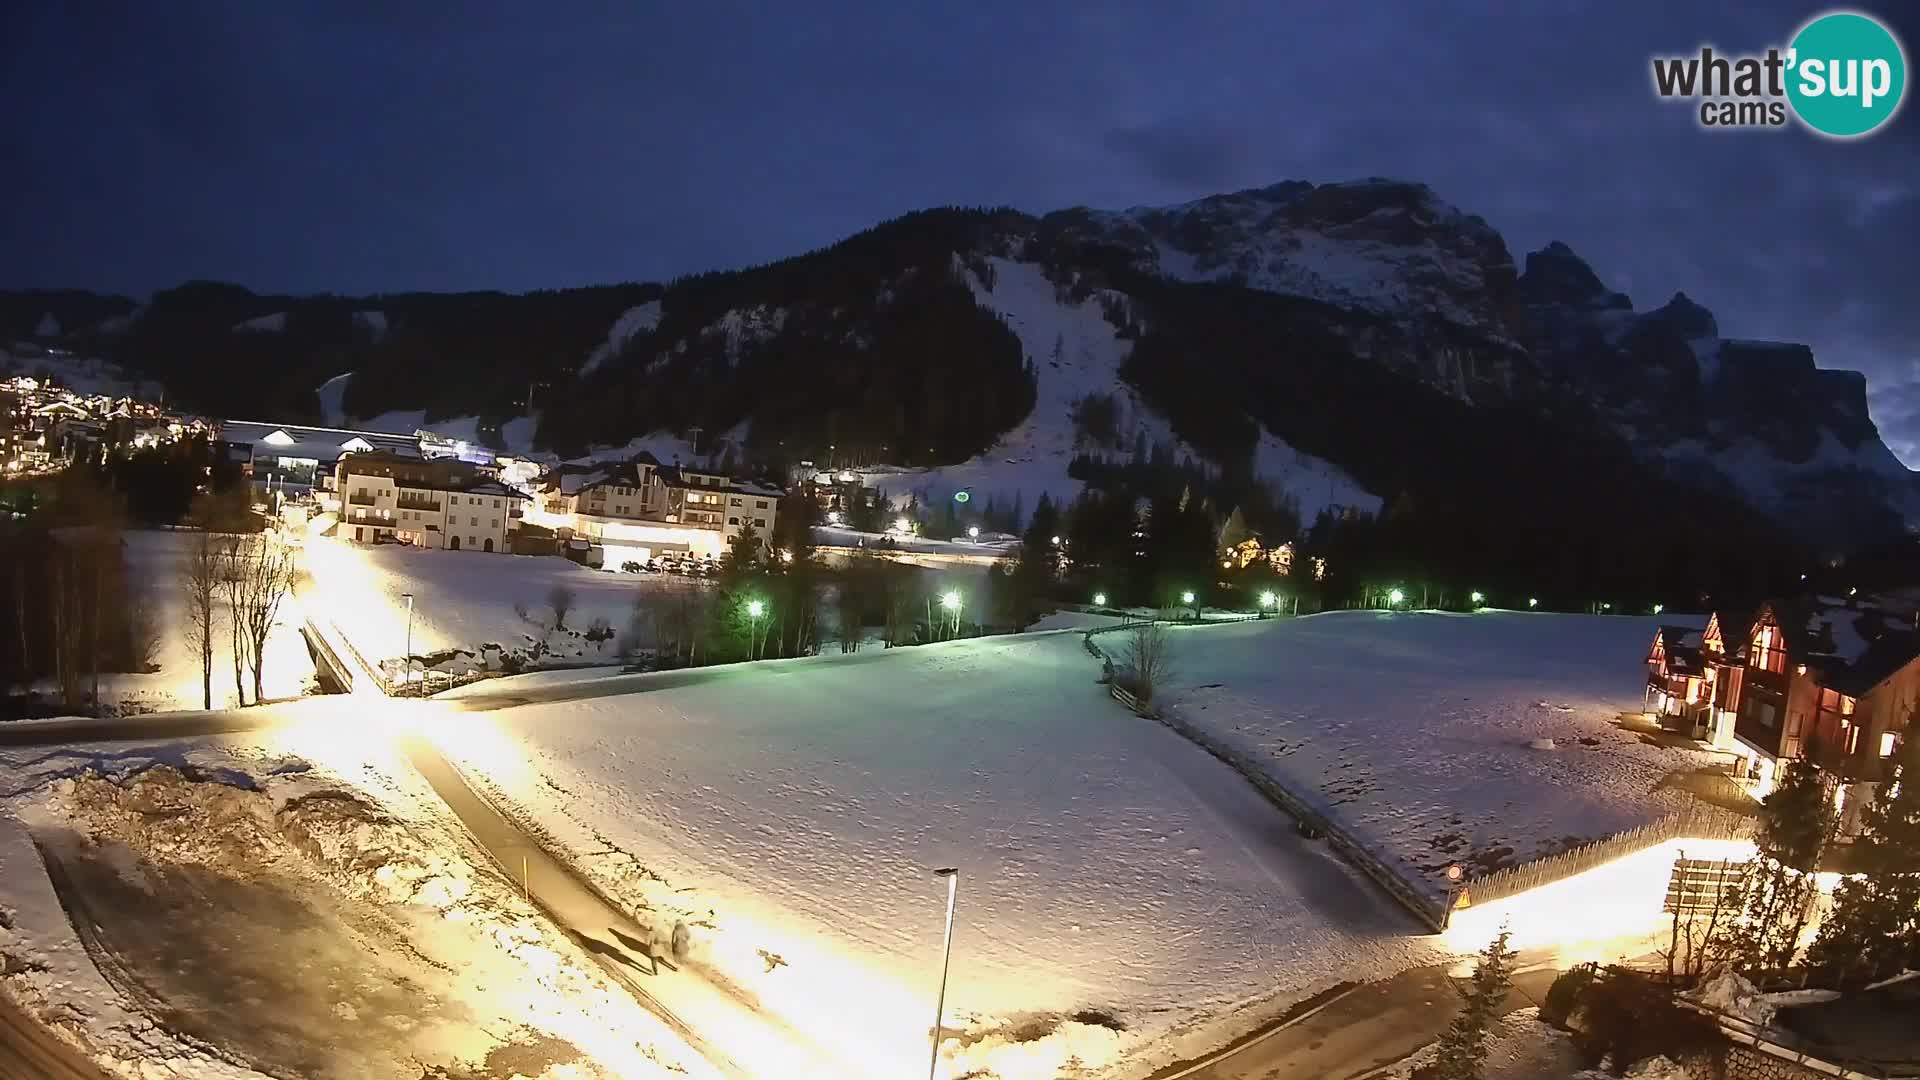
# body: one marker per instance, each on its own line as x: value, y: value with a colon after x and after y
x: 363, y: 148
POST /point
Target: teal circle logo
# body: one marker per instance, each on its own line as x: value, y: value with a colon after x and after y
x: 1846, y: 74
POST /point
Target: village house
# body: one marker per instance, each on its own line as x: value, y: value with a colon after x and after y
x: 640, y: 509
x: 1838, y: 678
x: 445, y: 503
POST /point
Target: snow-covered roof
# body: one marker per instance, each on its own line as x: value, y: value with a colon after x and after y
x: 323, y: 444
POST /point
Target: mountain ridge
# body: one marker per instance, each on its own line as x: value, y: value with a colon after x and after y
x: 887, y: 346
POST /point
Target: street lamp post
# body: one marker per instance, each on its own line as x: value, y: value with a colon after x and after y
x: 406, y: 673
x: 1188, y: 599
x: 1267, y: 601
x: 755, y: 609
x: 951, y: 601
x: 952, y: 874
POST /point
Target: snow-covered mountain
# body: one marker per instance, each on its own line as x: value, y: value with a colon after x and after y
x: 1350, y: 343
x: 1755, y: 418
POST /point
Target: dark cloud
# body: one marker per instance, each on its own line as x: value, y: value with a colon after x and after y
x: 365, y: 147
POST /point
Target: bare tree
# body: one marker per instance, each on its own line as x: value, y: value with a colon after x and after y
x: 561, y: 600
x: 1148, y: 655
x: 258, y: 573
x: 201, y: 572
x: 271, y: 567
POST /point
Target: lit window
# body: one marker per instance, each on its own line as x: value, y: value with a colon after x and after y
x: 1886, y: 744
x: 1768, y: 653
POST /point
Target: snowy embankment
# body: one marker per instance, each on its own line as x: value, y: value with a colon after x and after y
x: 1418, y: 730
x: 470, y: 602
x: 153, y: 570
x: 1123, y: 897
x: 290, y: 904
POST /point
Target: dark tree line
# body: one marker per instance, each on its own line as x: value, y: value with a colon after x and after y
x: 72, y: 610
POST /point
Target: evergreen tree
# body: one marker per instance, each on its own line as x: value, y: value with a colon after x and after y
x: 1777, y: 896
x: 1463, y: 1049
x: 1873, y: 929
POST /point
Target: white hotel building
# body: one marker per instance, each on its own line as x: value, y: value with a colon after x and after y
x: 641, y: 509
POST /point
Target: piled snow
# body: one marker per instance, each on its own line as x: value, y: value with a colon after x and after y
x: 153, y: 565
x: 634, y: 321
x: 788, y: 815
x: 1415, y: 729
x: 464, y: 600
x: 1076, y: 352
x: 311, y: 868
x: 1729, y: 992
x: 1520, y: 1046
x: 276, y: 323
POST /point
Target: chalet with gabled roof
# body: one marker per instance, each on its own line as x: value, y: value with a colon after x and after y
x: 1833, y: 677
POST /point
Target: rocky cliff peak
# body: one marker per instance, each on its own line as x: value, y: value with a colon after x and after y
x: 1555, y: 275
x: 1684, y: 318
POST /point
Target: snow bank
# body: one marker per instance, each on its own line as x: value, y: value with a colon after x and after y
x: 788, y: 815
x: 1520, y: 1046
x: 310, y: 867
x: 1415, y: 729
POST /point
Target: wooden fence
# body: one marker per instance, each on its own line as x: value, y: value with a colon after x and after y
x: 1700, y: 822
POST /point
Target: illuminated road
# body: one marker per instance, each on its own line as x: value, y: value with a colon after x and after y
x: 1359, y: 1033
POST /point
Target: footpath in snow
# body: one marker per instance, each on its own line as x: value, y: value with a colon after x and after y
x: 1123, y: 896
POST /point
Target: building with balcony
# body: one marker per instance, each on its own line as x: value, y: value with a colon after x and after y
x: 441, y: 503
x: 1835, y: 678
x: 640, y: 509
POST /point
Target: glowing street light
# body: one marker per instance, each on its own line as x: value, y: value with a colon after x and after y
x: 952, y: 874
x: 1395, y: 596
x: 1478, y: 598
x: 755, y: 609
x: 1056, y: 541
x: 1099, y: 599
x: 973, y: 532
x: 1533, y: 602
x: 901, y: 525
x: 1266, y: 599
x: 407, y: 672
x: 951, y: 601
x: 1186, y: 597
x: 1658, y: 608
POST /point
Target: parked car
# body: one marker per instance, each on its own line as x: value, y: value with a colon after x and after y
x: 710, y: 568
x: 671, y: 565
x: 630, y: 567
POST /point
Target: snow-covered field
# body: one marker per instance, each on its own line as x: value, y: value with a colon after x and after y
x: 1415, y: 730
x: 789, y: 815
x: 289, y: 904
x: 153, y: 561
x: 465, y: 600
